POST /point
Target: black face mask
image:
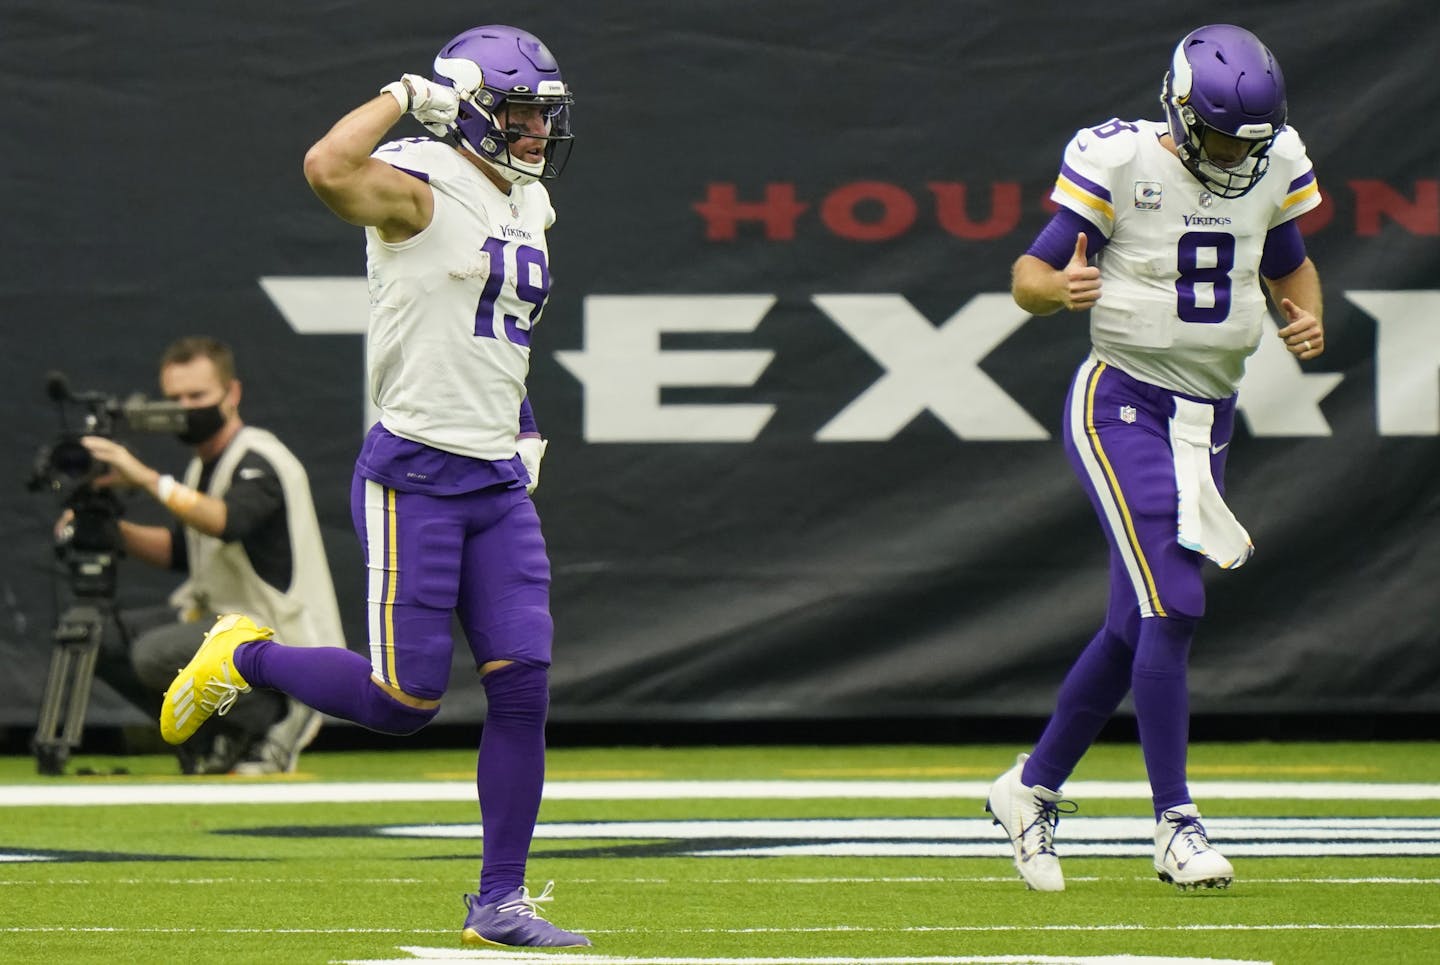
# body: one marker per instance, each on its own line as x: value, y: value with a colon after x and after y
x: 201, y: 424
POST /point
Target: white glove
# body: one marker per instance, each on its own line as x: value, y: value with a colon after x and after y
x: 532, y: 450
x: 433, y: 105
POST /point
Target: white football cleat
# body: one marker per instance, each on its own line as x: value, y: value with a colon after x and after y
x: 1183, y: 855
x: 1029, y: 816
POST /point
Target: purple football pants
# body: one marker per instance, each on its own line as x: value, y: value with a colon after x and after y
x: 480, y: 556
x: 1117, y: 439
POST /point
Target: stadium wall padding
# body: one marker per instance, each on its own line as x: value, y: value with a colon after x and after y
x: 805, y: 456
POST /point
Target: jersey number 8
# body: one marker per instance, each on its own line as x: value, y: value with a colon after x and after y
x: 1215, y: 277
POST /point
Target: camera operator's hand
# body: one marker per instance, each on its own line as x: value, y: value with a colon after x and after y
x: 65, y: 526
x: 124, y: 467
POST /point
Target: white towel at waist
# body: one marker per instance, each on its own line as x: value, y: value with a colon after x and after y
x: 1204, y: 523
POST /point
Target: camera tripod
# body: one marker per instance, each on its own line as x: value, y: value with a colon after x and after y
x: 77, y: 636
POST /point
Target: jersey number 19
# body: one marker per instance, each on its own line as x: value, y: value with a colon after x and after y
x: 532, y: 285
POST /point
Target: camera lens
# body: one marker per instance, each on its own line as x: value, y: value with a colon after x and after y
x: 70, y: 458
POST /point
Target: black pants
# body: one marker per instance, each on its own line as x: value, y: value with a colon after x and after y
x: 141, y: 667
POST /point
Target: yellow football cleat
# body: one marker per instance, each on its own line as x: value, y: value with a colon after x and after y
x: 209, y: 684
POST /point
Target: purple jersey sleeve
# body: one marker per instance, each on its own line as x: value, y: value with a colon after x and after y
x: 1056, y: 241
x: 528, y: 428
x: 1284, y: 250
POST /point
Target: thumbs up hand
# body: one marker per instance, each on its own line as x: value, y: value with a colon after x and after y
x: 1304, y: 336
x: 1082, y: 280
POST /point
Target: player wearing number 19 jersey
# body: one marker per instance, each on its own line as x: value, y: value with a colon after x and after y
x: 459, y: 274
x: 1191, y: 221
x: 455, y: 301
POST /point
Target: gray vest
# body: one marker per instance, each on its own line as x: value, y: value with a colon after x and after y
x: 223, y: 581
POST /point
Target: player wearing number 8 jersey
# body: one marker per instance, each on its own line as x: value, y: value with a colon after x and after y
x: 1190, y: 221
x: 458, y: 273
x: 1182, y: 305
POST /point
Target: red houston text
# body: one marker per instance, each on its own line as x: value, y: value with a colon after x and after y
x: 882, y: 211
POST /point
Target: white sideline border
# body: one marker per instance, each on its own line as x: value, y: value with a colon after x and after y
x: 105, y: 792
x: 442, y: 956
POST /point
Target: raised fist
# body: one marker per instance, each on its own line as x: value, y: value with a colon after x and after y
x: 433, y: 105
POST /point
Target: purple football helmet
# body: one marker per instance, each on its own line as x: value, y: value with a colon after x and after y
x: 492, y: 67
x: 1223, y: 79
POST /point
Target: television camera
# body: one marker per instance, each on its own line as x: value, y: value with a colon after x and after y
x: 87, y: 547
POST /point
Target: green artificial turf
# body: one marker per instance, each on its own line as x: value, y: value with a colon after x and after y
x: 293, y: 882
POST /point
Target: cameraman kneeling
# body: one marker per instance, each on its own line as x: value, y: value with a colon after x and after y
x: 245, y: 532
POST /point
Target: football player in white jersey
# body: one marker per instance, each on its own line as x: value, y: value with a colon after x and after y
x: 459, y: 274
x: 1189, y: 220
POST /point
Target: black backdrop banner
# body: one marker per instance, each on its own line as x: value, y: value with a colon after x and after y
x: 805, y: 456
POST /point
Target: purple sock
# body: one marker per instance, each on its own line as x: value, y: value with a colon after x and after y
x: 332, y: 680
x: 1162, y: 707
x: 1092, y: 690
x: 510, y: 773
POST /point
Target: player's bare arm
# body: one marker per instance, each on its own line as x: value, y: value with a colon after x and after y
x: 360, y: 189
x: 1299, y: 299
x: 1042, y: 290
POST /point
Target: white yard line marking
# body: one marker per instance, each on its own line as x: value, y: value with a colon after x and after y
x: 247, y: 882
x: 907, y: 929
x: 788, y: 930
x: 507, y: 957
x: 1121, y: 849
x: 973, y: 837
x: 121, y: 930
x: 519, y: 957
x: 1339, y: 881
x: 946, y: 829
x: 1117, y: 837
x: 65, y: 793
x: 667, y: 882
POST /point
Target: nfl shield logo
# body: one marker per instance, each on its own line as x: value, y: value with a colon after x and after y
x: 1127, y: 413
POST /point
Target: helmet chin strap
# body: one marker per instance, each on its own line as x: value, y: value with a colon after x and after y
x: 1231, y: 182
x: 516, y: 172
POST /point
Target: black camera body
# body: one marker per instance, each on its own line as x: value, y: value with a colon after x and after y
x: 91, y: 544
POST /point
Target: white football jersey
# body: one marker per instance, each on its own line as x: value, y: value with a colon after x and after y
x: 452, y: 309
x: 1181, y: 302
